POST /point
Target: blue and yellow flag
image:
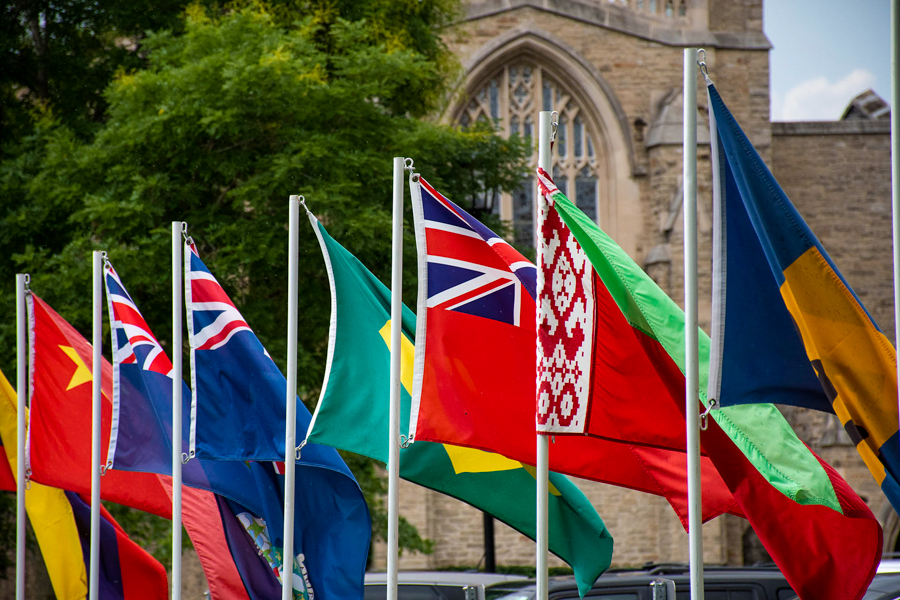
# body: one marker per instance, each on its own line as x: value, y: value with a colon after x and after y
x: 787, y: 327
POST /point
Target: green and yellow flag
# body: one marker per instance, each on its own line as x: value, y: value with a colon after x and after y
x: 352, y: 415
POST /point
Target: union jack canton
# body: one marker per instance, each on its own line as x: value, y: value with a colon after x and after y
x: 469, y: 270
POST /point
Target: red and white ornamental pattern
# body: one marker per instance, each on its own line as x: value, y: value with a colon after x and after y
x: 565, y: 323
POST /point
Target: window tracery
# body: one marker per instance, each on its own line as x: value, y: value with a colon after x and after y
x: 511, y: 99
x: 666, y: 7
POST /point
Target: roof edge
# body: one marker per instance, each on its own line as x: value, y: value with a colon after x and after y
x: 614, y: 19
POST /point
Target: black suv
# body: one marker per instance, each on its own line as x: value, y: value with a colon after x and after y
x: 721, y: 583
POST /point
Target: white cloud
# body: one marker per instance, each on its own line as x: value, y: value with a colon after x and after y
x: 820, y: 100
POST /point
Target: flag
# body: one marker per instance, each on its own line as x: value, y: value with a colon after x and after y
x: 59, y: 439
x: 59, y: 520
x: 141, y: 422
x: 142, y: 416
x: 352, y: 414
x: 126, y: 570
x: 795, y: 331
x: 7, y: 478
x: 238, y: 406
x: 239, y: 395
x: 59, y: 431
x: 821, y: 535
x: 474, y: 376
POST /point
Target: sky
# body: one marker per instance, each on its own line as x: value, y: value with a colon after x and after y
x: 824, y: 54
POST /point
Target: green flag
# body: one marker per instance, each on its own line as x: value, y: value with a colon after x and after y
x: 352, y: 415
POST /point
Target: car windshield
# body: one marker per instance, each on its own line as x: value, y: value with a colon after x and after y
x: 523, y: 590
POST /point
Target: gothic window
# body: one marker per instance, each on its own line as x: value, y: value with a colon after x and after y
x: 586, y: 192
x: 512, y: 99
x: 670, y: 9
x: 682, y: 8
x: 653, y: 6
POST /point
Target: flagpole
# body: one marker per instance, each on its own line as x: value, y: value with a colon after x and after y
x: 177, y: 300
x: 692, y: 370
x: 96, y: 388
x: 290, y: 426
x: 393, y: 548
x: 542, y: 462
x: 21, y: 397
x: 895, y: 167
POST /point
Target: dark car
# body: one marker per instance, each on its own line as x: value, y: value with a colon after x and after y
x: 436, y: 585
x: 720, y: 583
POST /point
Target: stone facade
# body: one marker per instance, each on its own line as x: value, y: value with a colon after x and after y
x: 621, y: 64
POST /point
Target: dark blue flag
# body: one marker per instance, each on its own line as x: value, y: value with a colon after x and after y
x: 239, y: 402
x: 238, y: 408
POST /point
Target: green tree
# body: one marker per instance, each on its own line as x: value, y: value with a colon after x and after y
x: 61, y: 54
x: 234, y: 113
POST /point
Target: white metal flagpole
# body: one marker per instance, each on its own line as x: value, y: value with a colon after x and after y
x: 393, y: 547
x: 542, y: 462
x: 177, y: 300
x: 692, y: 370
x: 290, y: 426
x: 895, y: 167
x: 21, y: 395
x: 96, y: 388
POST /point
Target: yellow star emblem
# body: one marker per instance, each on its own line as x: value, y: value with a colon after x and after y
x: 82, y: 374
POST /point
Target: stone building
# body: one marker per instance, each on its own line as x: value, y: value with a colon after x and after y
x: 613, y: 71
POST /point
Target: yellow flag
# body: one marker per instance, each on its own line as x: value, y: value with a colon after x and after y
x: 49, y: 512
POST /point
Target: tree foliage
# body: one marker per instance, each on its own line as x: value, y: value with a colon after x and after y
x: 63, y: 53
x: 236, y: 110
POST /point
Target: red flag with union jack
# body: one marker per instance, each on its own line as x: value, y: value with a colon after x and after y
x: 474, y: 381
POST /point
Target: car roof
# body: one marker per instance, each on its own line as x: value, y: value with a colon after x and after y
x: 676, y: 572
x: 445, y: 577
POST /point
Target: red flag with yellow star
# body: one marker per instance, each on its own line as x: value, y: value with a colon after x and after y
x: 60, y: 425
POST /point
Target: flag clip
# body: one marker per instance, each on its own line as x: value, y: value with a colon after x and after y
x: 704, y: 416
x: 554, y: 125
x: 408, y: 165
x: 405, y: 441
x: 27, y: 283
x: 701, y: 62
x: 106, y: 468
x: 186, y: 456
x: 298, y: 449
x: 187, y: 239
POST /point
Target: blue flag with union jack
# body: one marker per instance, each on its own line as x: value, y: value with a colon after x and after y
x: 331, y: 527
x: 239, y: 398
x: 141, y: 429
x: 238, y: 408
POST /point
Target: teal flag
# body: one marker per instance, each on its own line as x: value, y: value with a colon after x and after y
x: 352, y: 415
